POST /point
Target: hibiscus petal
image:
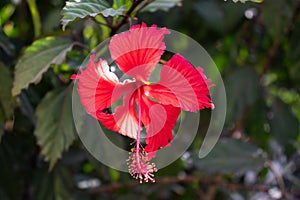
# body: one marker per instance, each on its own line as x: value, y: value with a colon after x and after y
x: 138, y: 50
x: 124, y: 119
x: 181, y: 85
x: 159, y: 121
x: 98, y: 88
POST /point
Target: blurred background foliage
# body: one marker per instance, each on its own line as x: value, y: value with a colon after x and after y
x: 256, y: 47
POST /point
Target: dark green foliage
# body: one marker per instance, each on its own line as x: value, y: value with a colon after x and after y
x: 41, y: 156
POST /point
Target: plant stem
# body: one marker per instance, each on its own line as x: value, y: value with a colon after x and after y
x: 114, y: 29
x: 35, y: 17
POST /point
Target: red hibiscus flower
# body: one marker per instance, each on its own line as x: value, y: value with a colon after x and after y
x: 154, y: 106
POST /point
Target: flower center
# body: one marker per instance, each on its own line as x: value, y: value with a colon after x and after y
x: 139, y: 166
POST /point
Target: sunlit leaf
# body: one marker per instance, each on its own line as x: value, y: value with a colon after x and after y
x: 164, y: 5
x: 55, y: 129
x: 231, y: 156
x: 6, y: 12
x: 112, y: 12
x: 84, y: 8
x: 122, y: 3
x: 37, y: 59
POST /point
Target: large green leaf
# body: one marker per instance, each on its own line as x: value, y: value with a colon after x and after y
x: 37, y: 59
x: 55, y: 129
x: 81, y: 9
x: 122, y: 3
x: 164, y: 5
x: 56, y: 184
x: 232, y: 156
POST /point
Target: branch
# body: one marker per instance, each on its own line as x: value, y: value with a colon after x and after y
x: 115, y: 28
x: 277, y: 175
x: 188, y: 179
x: 144, y: 5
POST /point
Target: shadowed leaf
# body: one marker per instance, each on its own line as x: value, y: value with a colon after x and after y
x: 81, y: 9
x: 231, y: 156
x: 55, y: 129
x: 164, y: 5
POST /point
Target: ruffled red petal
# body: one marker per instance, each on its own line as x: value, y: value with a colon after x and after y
x: 138, y: 50
x: 98, y: 88
x: 159, y: 121
x: 124, y: 120
x: 181, y: 85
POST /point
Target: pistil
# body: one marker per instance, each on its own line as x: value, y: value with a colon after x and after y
x: 138, y: 164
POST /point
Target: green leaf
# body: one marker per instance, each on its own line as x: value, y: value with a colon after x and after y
x: 37, y: 59
x: 55, y: 130
x: 122, y: 3
x: 81, y: 9
x: 57, y: 184
x: 112, y: 12
x: 242, y: 90
x: 6, y: 12
x: 164, y: 5
x: 232, y: 156
x: 283, y: 123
